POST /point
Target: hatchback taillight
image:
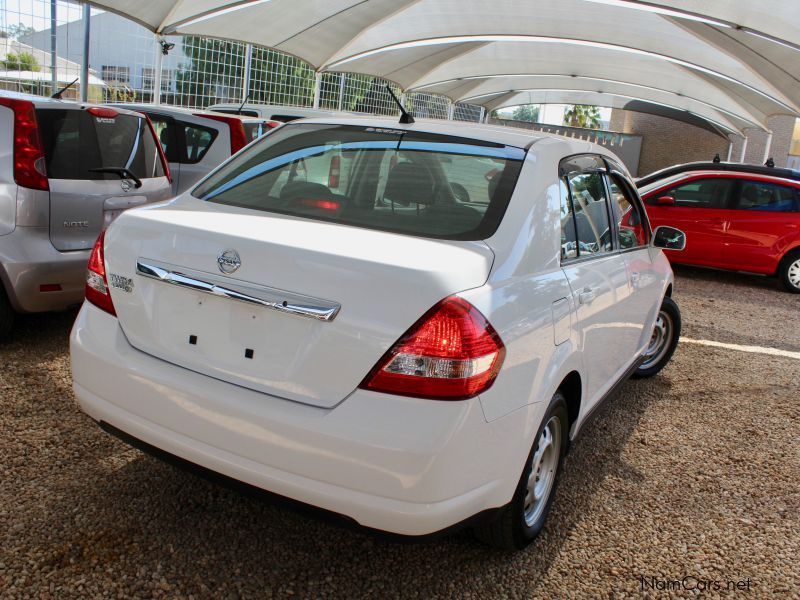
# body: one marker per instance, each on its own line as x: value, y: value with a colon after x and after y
x: 29, y: 163
x: 97, y: 291
x: 451, y: 353
x: 235, y: 127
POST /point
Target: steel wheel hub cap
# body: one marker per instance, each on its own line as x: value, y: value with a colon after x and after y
x: 659, y: 341
x: 794, y: 273
x: 544, y: 464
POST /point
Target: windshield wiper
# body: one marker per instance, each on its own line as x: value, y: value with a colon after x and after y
x: 123, y: 172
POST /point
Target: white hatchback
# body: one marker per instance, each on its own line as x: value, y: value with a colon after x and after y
x: 412, y: 348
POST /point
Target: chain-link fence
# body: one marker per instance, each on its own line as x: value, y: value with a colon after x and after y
x: 41, y: 49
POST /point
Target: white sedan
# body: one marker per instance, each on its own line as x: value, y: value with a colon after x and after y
x: 411, y: 347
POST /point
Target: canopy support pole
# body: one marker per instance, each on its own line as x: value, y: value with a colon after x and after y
x: 84, y: 79
x: 342, y: 77
x: 744, y: 150
x: 767, y: 147
x: 451, y: 110
x: 248, y: 59
x: 730, y: 150
x: 157, y: 71
x: 317, y: 86
x: 482, y: 116
x: 53, y: 55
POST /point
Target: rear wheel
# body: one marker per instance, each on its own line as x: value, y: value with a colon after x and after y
x: 517, y: 523
x: 789, y: 272
x: 6, y: 316
x: 664, y: 340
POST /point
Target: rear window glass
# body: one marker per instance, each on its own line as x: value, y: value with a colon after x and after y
x: 406, y: 182
x: 75, y: 141
x: 253, y: 130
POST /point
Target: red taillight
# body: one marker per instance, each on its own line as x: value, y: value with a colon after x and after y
x: 97, y: 291
x: 103, y: 112
x: 272, y: 124
x: 160, y: 149
x: 451, y: 353
x: 334, y: 171
x: 235, y: 126
x: 29, y: 164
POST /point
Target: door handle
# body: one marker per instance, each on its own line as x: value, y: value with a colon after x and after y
x: 586, y: 296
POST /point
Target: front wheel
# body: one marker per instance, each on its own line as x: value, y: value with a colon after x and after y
x: 517, y: 523
x: 789, y: 272
x: 666, y: 333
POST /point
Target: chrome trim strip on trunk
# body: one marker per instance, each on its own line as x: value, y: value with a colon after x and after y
x: 287, y: 302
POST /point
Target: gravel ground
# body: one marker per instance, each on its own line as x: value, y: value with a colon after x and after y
x: 694, y: 473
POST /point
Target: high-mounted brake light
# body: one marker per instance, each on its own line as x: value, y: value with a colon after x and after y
x: 451, y: 353
x: 160, y: 149
x: 97, y: 291
x: 29, y: 163
x: 235, y: 127
x: 332, y: 205
x: 103, y: 112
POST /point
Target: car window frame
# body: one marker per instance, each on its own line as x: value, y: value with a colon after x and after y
x: 637, y: 203
x: 595, y: 164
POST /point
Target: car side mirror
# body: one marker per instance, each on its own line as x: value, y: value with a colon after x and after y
x: 665, y: 201
x: 669, y: 238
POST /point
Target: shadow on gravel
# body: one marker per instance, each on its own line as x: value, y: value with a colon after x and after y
x: 733, y: 278
x: 130, y: 509
x: 48, y: 330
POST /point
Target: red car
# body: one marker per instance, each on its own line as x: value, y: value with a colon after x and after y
x: 734, y: 220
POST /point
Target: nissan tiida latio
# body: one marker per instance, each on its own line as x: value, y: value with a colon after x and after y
x: 402, y: 324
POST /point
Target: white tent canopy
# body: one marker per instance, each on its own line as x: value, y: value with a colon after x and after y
x: 732, y: 63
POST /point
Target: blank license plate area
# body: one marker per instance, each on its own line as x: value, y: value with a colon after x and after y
x: 255, y: 346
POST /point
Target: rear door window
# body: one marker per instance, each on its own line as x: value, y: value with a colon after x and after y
x: 772, y: 197
x: 76, y: 141
x: 197, y: 141
x: 406, y: 182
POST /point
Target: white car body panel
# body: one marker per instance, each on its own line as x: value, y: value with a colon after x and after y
x: 394, y: 463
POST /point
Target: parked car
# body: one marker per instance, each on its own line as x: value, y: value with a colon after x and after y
x: 66, y: 171
x: 713, y: 166
x: 741, y: 220
x: 196, y: 141
x: 410, y: 369
x: 283, y: 114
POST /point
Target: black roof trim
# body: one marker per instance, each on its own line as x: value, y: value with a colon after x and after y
x: 720, y: 166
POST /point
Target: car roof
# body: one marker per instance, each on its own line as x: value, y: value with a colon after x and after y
x: 45, y: 102
x: 281, y: 109
x: 675, y: 178
x: 739, y: 168
x: 499, y: 134
x: 180, y: 110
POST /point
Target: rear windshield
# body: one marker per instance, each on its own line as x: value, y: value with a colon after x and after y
x: 406, y: 182
x: 76, y: 141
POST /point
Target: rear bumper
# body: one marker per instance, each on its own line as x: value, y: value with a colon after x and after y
x: 28, y: 260
x: 401, y: 465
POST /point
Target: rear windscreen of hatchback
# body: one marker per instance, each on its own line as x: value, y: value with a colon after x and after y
x: 401, y: 181
x: 76, y: 141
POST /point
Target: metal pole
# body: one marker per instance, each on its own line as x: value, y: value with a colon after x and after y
x: 159, y: 60
x: 483, y: 115
x: 53, y: 55
x: 730, y: 150
x: 248, y: 59
x: 767, y: 147
x: 84, y: 79
x: 451, y: 110
x: 342, y: 77
x: 317, y: 86
x: 744, y: 150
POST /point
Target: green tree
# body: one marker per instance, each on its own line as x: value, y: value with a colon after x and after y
x: 580, y: 115
x: 526, y: 112
x: 24, y: 61
x: 17, y: 31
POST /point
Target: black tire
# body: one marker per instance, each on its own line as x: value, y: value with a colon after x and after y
x: 508, y: 529
x: 787, y: 271
x: 671, y: 314
x: 7, y: 316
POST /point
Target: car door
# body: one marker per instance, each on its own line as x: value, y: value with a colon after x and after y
x: 633, y: 234
x: 763, y: 223
x: 700, y: 208
x: 596, y: 272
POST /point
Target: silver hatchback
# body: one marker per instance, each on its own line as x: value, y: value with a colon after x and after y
x: 66, y: 171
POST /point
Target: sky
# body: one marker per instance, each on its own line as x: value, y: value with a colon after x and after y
x: 36, y: 13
